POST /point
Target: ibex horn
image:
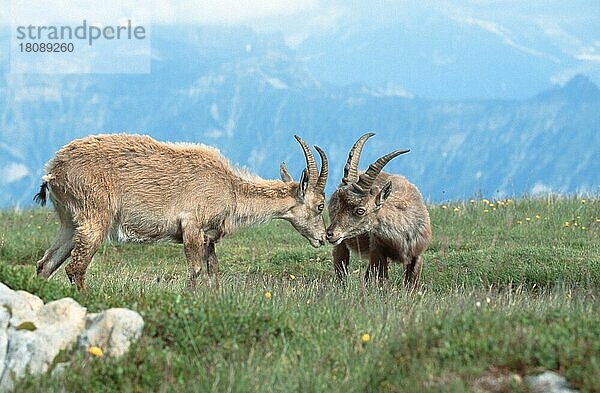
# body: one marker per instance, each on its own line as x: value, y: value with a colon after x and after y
x: 365, y: 181
x: 322, y: 180
x: 311, y: 164
x: 351, y: 168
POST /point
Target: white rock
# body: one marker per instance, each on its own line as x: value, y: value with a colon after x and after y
x: 4, y: 319
x: 112, y: 331
x: 57, y: 326
x: 48, y: 329
x: 19, y: 306
x: 548, y: 382
x: 35, y: 302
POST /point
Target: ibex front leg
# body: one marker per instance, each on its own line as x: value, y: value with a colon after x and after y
x: 341, y: 259
x: 193, y: 247
x: 212, y: 265
x: 378, y: 266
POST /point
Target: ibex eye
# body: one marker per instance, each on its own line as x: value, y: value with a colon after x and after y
x: 360, y: 211
x: 321, y: 207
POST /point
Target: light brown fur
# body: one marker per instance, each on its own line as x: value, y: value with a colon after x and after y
x: 394, y: 226
x: 131, y: 187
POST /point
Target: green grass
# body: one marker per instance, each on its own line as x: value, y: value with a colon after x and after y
x: 496, y: 295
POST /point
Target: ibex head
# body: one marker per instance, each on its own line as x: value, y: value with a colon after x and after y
x: 306, y: 215
x: 354, y: 205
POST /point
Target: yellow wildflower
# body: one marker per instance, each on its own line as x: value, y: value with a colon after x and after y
x: 485, y: 202
x: 537, y: 216
x: 527, y: 218
x: 456, y: 209
x: 268, y: 295
x: 491, y: 205
x: 444, y: 207
x: 486, y: 211
x: 292, y: 277
x: 365, y: 338
x: 566, y: 224
x: 472, y: 201
x: 95, y: 351
x: 583, y: 201
x: 519, y: 222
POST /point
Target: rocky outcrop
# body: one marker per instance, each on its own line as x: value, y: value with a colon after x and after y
x: 32, y: 333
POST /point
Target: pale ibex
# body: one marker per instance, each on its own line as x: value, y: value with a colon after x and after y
x: 380, y: 216
x: 131, y: 187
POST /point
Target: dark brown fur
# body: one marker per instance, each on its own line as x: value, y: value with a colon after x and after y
x: 395, y: 227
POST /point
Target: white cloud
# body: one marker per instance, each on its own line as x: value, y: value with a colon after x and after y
x: 504, y: 34
x: 211, y: 12
x: 541, y: 189
x: 388, y: 91
x: 442, y: 59
x: 48, y: 12
x: 588, y: 57
x: 226, y: 12
x: 14, y: 172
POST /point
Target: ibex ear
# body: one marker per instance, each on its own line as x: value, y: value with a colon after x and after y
x: 303, y: 186
x: 385, y: 192
x: 285, y: 175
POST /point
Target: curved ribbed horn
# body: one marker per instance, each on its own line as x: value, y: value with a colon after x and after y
x: 351, y: 168
x: 311, y: 164
x: 365, y: 181
x: 322, y: 180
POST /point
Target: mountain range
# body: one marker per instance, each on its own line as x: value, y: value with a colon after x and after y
x: 248, y: 93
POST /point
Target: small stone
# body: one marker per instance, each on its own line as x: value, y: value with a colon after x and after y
x: 112, y: 330
x: 548, y: 382
x: 59, y: 368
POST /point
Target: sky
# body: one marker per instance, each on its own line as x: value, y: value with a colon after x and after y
x: 434, y: 49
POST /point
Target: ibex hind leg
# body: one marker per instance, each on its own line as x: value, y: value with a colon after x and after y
x: 58, y: 253
x: 87, y: 239
x: 61, y: 248
x: 412, y: 273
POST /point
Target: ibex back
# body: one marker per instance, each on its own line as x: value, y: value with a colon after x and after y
x: 131, y: 187
x: 380, y: 216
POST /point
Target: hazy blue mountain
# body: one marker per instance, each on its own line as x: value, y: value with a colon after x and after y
x: 248, y: 94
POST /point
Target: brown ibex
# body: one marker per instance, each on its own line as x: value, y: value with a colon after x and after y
x: 132, y: 187
x: 380, y: 216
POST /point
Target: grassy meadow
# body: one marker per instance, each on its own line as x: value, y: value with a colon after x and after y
x: 509, y: 288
